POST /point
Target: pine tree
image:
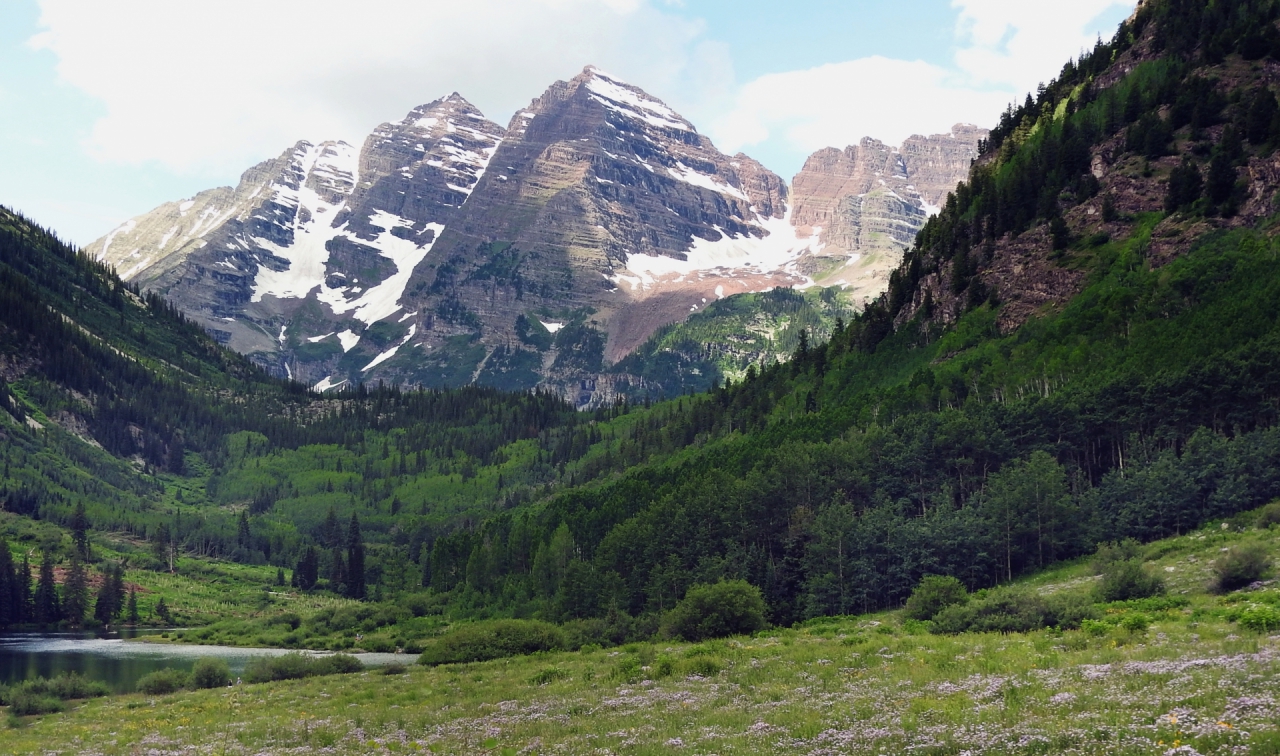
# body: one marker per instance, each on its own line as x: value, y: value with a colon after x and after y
x: 47, y: 610
x: 104, y: 608
x: 244, y: 539
x: 162, y: 612
x: 80, y: 531
x: 8, y: 585
x: 75, y: 593
x: 337, y: 571
x: 331, y: 530
x: 131, y: 608
x: 280, y: 576
x: 355, y: 560
x: 25, y: 604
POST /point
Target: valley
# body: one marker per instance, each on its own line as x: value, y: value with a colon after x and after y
x: 638, y: 448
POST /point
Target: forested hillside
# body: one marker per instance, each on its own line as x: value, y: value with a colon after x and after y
x: 1084, y: 345
x: 946, y: 431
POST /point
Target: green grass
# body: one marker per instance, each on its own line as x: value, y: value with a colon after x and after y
x: 1194, y: 678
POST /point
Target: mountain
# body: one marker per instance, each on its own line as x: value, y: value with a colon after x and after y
x: 1082, y: 345
x: 321, y: 239
x: 866, y: 203
x: 450, y: 250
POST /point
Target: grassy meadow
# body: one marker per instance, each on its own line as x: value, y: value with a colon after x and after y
x: 1179, y: 674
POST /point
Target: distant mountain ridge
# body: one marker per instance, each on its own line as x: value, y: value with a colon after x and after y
x: 450, y: 250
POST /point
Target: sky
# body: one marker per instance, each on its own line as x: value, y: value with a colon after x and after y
x: 111, y: 107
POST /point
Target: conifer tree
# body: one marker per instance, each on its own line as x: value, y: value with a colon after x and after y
x: 75, y: 593
x: 25, y: 604
x: 131, y: 608
x: 244, y: 539
x: 355, y: 560
x: 337, y: 571
x: 162, y: 612
x: 80, y: 531
x: 8, y: 592
x: 47, y: 610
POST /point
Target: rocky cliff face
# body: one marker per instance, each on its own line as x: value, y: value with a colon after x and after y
x: 866, y: 203
x: 316, y: 246
x: 450, y: 250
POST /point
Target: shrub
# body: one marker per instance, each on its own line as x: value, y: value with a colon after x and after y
x: 703, y: 666
x: 1136, y: 622
x: 65, y: 687
x: 495, y: 639
x: 732, y: 607
x: 1014, y: 610
x: 1095, y: 628
x: 288, y: 619
x: 394, y: 668
x: 1240, y: 566
x: 932, y: 595
x: 1262, y: 619
x: 209, y: 672
x: 162, y: 682
x: 296, y: 666
x: 1270, y: 515
x: 25, y: 703
x: 1112, y: 552
x: 548, y: 676
x: 1127, y: 580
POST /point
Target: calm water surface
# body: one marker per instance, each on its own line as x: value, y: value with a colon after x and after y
x: 120, y: 661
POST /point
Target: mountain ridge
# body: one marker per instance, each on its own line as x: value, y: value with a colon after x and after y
x: 635, y: 228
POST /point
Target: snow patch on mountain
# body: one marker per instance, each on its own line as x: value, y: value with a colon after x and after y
x: 728, y: 256
x: 611, y: 93
x: 383, y: 300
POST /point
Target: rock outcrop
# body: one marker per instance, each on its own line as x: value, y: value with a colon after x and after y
x: 450, y: 250
x: 866, y: 203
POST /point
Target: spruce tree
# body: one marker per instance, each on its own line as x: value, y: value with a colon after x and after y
x: 8, y: 592
x: 25, y: 604
x: 80, y: 531
x: 46, y: 609
x: 131, y: 608
x: 244, y: 539
x: 337, y: 571
x: 162, y: 612
x: 355, y: 560
x: 75, y: 593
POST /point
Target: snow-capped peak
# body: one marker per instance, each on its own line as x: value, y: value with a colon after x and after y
x: 631, y: 101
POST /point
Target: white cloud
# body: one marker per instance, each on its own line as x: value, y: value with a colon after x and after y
x: 838, y: 104
x: 213, y: 87
x: 1017, y: 44
x: 1005, y: 48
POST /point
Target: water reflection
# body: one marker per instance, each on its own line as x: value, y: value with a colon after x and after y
x: 120, y: 662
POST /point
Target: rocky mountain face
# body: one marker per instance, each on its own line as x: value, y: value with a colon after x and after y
x: 866, y: 203
x: 450, y: 250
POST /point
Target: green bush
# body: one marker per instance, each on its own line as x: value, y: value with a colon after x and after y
x: 210, y: 672
x: 548, y: 676
x: 1136, y: 622
x: 732, y: 607
x: 1261, y: 619
x: 64, y: 687
x: 296, y: 666
x: 1240, y: 566
x: 162, y: 682
x: 703, y: 666
x: 495, y: 639
x: 1270, y: 515
x: 1014, y: 610
x: 1112, y: 552
x: 932, y: 595
x: 1127, y: 580
x: 1095, y: 628
x: 26, y: 703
